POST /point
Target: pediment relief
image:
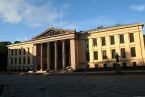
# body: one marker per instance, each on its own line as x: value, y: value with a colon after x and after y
x: 53, y: 32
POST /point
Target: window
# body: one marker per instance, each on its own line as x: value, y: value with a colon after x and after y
x: 15, y: 60
x: 11, y: 61
x: 28, y: 50
x: 19, y: 60
x: 24, y: 52
x: 94, y: 42
x: 105, y: 66
x: 121, y: 38
x: 96, y: 55
x: 134, y: 64
x: 133, y: 52
x: 28, y: 60
x: 19, y: 51
x: 113, y: 53
x: 96, y: 65
x: 131, y: 37
x: 23, y: 60
x: 87, y: 56
x: 123, y: 54
x: 103, y: 41
x: 86, y: 43
x: 112, y: 40
x: 104, y: 54
x: 15, y: 51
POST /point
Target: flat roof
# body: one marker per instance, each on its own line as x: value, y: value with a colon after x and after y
x: 117, y: 26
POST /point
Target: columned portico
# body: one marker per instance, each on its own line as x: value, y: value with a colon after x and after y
x: 56, y: 52
x: 54, y: 55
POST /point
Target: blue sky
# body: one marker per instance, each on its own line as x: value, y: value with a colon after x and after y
x: 23, y: 19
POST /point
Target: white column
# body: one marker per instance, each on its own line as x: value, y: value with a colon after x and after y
x: 41, y: 65
x: 48, y: 56
x: 91, y: 53
x: 63, y: 54
x: 34, y: 57
x: 100, y: 51
x: 73, y: 54
x: 55, y: 54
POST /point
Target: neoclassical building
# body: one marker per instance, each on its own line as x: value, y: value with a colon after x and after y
x: 58, y: 49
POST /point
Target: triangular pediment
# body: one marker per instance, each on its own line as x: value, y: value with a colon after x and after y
x: 51, y: 32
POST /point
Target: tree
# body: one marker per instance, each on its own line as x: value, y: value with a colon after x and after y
x: 17, y: 42
x: 3, y: 54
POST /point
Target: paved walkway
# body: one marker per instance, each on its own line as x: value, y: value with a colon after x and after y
x: 77, y: 73
x: 78, y: 85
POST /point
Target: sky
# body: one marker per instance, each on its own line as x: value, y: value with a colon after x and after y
x: 20, y: 20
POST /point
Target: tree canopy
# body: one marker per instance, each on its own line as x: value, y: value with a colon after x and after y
x: 17, y: 42
x: 3, y: 54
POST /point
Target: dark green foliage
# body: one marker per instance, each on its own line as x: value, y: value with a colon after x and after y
x: 17, y: 42
x: 3, y: 54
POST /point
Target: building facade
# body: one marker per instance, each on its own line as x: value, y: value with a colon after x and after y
x: 58, y: 49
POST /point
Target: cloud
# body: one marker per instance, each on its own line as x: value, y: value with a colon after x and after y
x: 22, y: 11
x: 138, y: 7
